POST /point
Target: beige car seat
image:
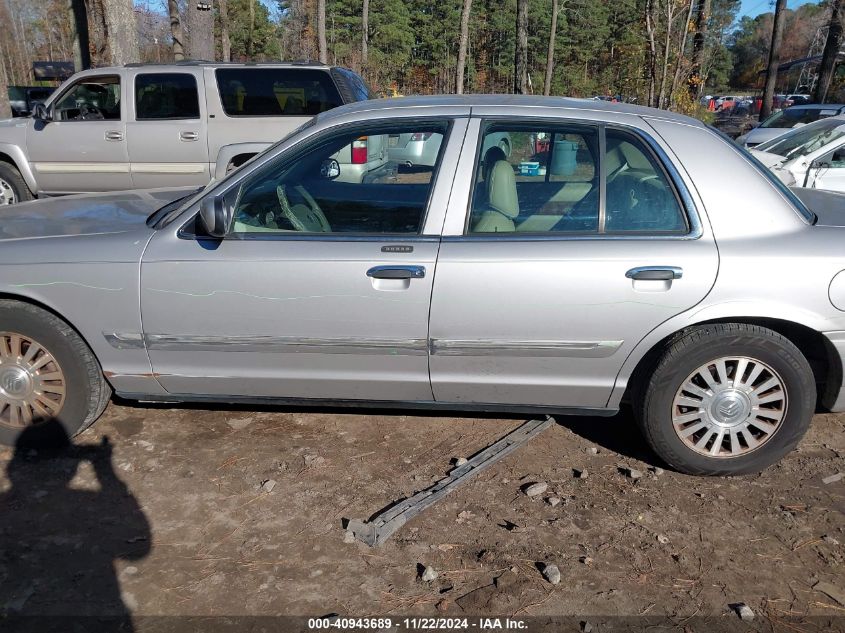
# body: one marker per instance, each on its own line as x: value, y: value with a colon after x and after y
x: 502, y: 201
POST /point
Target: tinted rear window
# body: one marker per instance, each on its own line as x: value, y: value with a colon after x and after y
x: 276, y: 91
x: 166, y: 96
x: 358, y: 87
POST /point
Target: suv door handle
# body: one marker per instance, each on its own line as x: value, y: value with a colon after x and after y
x: 655, y: 273
x: 396, y: 272
x: 188, y: 136
x: 114, y: 135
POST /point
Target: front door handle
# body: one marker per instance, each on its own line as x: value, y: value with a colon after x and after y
x: 396, y: 272
x: 188, y: 136
x: 655, y: 273
x: 114, y: 135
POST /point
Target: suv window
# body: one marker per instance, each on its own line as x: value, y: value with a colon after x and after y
x: 550, y: 183
x: 276, y: 91
x: 309, y: 192
x: 90, y: 99
x: 166, y: 96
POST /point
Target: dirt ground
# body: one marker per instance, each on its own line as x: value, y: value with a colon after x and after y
x: 170, y: 518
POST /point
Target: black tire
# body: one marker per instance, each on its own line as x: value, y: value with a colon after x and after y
x: 86, y: 391
x: 696, y: 347
x: 11, y: 176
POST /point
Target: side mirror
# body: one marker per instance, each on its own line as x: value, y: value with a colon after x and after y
x: 41, y: 113
x: 215, y: 216
x: 330, y: 169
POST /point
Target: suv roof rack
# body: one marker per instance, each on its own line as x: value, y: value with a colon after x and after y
x: 202, y: 62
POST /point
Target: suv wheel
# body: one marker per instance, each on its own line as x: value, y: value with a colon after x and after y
x: 47, y: 374
x: 13, y: 189
x: 727, y: 399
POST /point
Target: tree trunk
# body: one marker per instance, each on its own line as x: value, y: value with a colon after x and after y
x: 670, y: 9
x: 831, y: 49
x: 200, y: 27
x: 176, y: 30
x: 123, y: 32
x: 774, y: 60
x: 462, y: 47
x: 520, y: 63
x: 550, y: 54
x: 322, y: 48
x: 5, y: 108
x: 699, y: 42
x: 652, y: 52
x: 225, y: 42
x: 79, y: 34
x: 682, y: 48
x: 250, y: 40
x: 365, y: 33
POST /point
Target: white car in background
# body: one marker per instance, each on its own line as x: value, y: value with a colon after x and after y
x: 811, y: 156
x: 784, y: 120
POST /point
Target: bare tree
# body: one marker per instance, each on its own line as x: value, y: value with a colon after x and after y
x: 225, y: 42
x: 322, y: 48
x: 699, y: 41
x: 123, y: 31
x: 365, y: 33
x: 520, y: 63
x: 670, y: 15
x: 831, y: 50
x: 79, y: 34
x: 682, y: 48
x: 651, y: 31
x: 774, y: 60
x: 550, y: 54
x: 462, y: 47
x: 176, y: 30
x: 250, y: 41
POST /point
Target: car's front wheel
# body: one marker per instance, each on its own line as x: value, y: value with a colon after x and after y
x: 13, y: 189
x: 48, y: 375
x: 727, y: 399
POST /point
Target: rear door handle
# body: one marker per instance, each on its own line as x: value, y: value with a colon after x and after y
x: 396, y: 272
x: 114, y: 135
x: 188, y: 136
x: 655, y: 273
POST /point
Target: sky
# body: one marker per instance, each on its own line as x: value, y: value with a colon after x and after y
x: 756, y: 7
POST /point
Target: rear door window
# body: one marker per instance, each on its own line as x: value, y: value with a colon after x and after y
x: 166, y: 96
x: 254, y: 92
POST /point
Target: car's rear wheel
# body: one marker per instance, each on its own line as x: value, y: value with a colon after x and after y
x: 13, y: 189
x: 48, y: 375
x: 727, y: 399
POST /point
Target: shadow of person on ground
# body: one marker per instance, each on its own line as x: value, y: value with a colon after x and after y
x: 60, y: 543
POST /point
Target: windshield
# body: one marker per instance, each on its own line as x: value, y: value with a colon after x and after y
x: 806, y: 139
x: 791, y: 116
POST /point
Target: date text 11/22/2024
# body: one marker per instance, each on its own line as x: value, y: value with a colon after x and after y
x: 417, y: 624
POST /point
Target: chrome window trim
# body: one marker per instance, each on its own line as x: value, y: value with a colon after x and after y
x: 685, y: 199
x: 393, y: 238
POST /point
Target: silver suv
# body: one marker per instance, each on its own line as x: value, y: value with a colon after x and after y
x: 141, y: 126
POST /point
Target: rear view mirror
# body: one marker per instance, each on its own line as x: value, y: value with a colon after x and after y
x: 330, y: 169
x: 215, y: 216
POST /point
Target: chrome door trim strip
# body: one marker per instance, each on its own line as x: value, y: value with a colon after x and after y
x: 527, y: 349
x: 81, y: 168
x: 268, y: 344
x: 168, y: 168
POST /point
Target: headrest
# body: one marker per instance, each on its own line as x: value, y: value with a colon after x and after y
x: 501, y: 189
x: 493, y: 156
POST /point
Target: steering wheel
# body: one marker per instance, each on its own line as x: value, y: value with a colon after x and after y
x: 90, y: 113
x: 306, y: 218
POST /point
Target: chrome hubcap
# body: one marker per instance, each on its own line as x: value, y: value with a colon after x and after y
x: 32, y: 384
x: 729, y: 407
x: 7, y: 194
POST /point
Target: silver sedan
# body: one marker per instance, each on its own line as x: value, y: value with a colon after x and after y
x: 604, y: 259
